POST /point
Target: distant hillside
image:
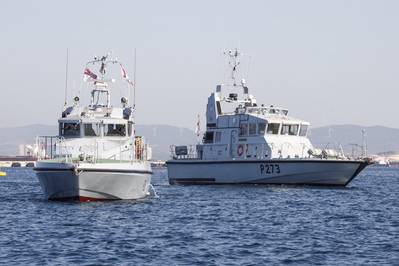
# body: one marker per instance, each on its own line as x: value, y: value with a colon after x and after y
x: 379, y: 139
x: 10, y: 138
x: 161, y: 137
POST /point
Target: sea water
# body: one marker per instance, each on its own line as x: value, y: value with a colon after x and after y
x: 205, y: 225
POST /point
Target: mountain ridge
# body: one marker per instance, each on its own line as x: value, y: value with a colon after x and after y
x: 380, y: 139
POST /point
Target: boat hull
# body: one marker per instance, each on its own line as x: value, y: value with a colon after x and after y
x: 62, y: 181
x: 295, y: 172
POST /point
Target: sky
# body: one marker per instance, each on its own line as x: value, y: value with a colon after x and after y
x: 328, y: 62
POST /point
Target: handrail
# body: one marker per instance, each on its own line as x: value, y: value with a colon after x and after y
x: 190, y: 152
x: 52, y: 147
x: 259, y: 151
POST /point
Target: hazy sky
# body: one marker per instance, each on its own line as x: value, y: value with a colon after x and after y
x: 328, y: 62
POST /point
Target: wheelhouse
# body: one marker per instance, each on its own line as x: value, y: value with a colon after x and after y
x: 79, y: 129
x: 262, y: 127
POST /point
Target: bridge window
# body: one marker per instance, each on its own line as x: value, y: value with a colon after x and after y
x: 261, y: 128
x: 285, y: 129
x: 273, y: 128
x: 115, y: 130
x: 293, y: 130
x: 91, y: 130
x: 252, y: 129
x: 243, y: 129
x: 289, y: 130
x: 70, y: 129
x: 208, y: 137
x: 303, y: 130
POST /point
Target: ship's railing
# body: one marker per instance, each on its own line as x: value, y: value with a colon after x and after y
x: 55, y: 147
x: 142, y: 150
x: 352, y: 151
x: 185, y: 152
x: 51, y: 147
x: 251, y: 151
x: 217, y: 152
x: 329, y: 151
x: 267, y: 110
x: 287, y: 150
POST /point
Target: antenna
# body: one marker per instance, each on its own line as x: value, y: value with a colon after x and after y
x: 134, y: 80
x: 354, y: 146
x: 66, y: 77
x: 234, y: 63
x: 364, y: 143
x: 128, y: 91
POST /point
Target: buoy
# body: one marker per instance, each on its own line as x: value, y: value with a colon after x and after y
x: 3, y: 173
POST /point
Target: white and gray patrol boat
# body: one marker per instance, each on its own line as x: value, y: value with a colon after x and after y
x: 96, y: 155
x: 256, y: 144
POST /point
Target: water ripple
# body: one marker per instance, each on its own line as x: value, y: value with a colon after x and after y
x: 212, y: 225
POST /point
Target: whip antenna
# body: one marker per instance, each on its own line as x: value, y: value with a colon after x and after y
x: 66, y: 77
x: 134, y: 80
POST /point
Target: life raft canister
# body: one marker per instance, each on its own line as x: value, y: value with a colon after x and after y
x: 240, y: 150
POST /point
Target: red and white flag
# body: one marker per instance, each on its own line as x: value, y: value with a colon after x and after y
x: 124, y: 73
x: 198, y: 127
x: 125, y: 76
x: 87, y: 74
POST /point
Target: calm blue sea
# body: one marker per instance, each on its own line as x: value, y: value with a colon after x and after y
x: 205, y: 225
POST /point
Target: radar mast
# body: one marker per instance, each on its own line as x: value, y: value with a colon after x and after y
x: 100, y: 85
x: 234, y: 62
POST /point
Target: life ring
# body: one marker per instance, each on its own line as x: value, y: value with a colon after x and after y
x: 240, y: 150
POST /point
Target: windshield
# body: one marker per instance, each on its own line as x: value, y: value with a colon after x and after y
x: 273, y: 128
x: 91, y: 130
x: 115, y: 130
x: 303, y: 130
x: 70, y: 129
x: 261, y: 128
x: 289, y: 130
